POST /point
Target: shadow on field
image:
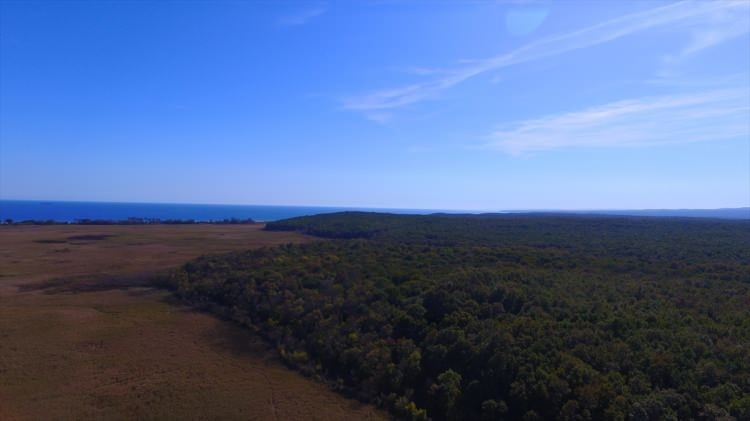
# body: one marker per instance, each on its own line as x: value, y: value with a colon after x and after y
x: 95, y: 283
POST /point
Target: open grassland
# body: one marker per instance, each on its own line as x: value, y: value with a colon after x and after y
x: 82, y: 336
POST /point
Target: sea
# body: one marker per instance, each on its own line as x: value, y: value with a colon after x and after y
x: 36, y: 210
x: 24, y: 210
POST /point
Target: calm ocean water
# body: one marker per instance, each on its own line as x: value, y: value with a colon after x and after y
x: 20, y: 210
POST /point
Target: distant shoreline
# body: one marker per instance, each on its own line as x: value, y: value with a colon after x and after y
x: 131, y: 221
x: 47, y: 212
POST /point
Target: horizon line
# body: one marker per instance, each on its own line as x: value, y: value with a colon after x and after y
x: 486, y: 210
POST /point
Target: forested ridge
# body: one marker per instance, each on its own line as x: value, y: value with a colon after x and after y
x: 503, y: 316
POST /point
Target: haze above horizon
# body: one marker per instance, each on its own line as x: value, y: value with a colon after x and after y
x: 411, y: 105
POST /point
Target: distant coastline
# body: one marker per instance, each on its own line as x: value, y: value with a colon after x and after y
x: 128, y: 221
x: 75, y: 212
x: 44, y: 211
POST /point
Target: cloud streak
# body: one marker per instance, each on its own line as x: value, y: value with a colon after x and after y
x: 302, y: 17
x: 709, y: 22
x: 705, y: 116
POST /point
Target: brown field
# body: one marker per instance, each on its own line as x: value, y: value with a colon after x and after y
x: 82, y: 336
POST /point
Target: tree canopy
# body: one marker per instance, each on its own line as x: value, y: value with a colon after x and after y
x: 503, y: 316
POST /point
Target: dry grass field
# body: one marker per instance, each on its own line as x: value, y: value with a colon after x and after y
x: 82, y: 337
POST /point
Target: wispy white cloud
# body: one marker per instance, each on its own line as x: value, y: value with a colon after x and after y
x: 716, y: 27
x: 722, y: 25
x: 732, y: 79
x: 704, y: 116
x: 302, y: 17
x: 421, y: 71
x: 379, y: 116
x: 708, y: 21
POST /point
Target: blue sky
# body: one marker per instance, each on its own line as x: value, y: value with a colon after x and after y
x: 400, y: 104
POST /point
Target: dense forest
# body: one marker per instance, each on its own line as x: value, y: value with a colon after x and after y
x: 493, y: 317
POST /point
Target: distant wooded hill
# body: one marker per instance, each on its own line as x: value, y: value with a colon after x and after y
x: 727, y: 213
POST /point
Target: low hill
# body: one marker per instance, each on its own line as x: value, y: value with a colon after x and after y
x: 724, y: 213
